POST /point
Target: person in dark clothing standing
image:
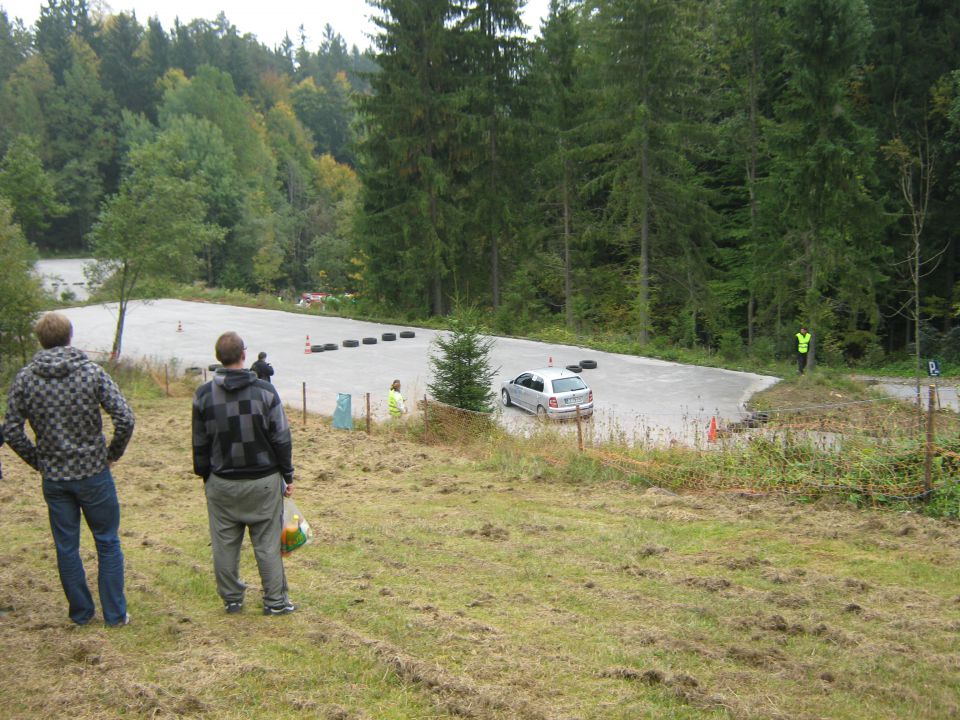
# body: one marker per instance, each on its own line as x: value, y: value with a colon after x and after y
x: 60, y: 394
x: 243, y: 451
x: 262, y: 368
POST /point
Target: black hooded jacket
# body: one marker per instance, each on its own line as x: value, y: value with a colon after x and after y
x: 240, y: 429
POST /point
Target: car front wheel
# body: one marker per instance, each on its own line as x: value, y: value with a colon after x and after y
x: 505, y: 397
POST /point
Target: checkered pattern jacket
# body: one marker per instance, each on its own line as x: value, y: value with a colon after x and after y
x: 240, y: 430
x: 60, y: 394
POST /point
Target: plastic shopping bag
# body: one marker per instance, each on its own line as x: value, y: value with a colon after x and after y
x: 295, y: 532
x: 343, y: 415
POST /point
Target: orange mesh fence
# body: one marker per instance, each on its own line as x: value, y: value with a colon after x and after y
x: 876, y: 449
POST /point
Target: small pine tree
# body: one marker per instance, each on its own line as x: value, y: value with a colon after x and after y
x: 461, y: 365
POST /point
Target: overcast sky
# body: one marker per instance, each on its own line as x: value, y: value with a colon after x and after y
x: 269, y: 20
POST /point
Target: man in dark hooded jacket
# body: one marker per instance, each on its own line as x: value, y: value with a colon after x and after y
x: 243, y: 451
x: 60, y: 393
x: 262, y: 368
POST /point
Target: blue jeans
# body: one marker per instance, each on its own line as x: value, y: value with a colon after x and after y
x: 96, y: 498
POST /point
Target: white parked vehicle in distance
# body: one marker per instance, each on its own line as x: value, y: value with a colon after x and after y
x: 549, y: 392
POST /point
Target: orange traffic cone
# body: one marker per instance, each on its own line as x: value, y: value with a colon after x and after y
x: 179, y: 326
x: 550, y: 361
x: 712, y: 432
x: 306, y: 349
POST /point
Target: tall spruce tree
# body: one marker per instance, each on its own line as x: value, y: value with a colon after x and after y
x: 492, y: 53
x: 14, y: 45
x: 822, y: 166
x: 643, y: 51
x: 556, y: 83
x: 409, y: 219
x: 83, y: 121
x: 748, y: 71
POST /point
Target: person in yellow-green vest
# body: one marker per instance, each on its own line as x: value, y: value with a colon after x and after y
x: 395, y: 400
x: 803, y: 348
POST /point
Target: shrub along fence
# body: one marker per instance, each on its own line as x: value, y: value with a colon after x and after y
x: 877, y: 450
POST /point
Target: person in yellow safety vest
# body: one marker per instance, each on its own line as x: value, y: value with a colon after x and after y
x: 803, y: 347
x: 395, y: 400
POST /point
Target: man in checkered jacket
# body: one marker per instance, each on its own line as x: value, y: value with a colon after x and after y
x: 60, y: 393
x: 243, y: 451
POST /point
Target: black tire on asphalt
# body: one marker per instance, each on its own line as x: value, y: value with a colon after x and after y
x: 588, y: 364
x: 574, y: 368
x: 214, y: 367
x: 369, y: 341
x: 330, y: 346
x: 407, y: 334
x: 350, y: 343
x: 505, y: 398
x: 316, y: 348
x: 387, y: 337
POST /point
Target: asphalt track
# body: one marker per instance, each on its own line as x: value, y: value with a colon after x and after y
x: 636, y: 399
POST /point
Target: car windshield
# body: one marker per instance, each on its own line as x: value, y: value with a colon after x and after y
x: 568, y: 384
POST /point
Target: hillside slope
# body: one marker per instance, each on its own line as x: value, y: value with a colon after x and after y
x: 442, y: 586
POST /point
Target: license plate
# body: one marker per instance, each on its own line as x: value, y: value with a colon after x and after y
x: 574, y: 401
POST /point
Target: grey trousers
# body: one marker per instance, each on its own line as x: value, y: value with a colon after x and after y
x: 232, y: 507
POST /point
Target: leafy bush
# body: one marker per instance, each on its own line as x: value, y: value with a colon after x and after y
x: 945, y: 501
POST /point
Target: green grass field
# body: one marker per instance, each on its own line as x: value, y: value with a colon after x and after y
x: 443, y: 585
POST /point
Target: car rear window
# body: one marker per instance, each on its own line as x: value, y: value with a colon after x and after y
x: 568, y: 384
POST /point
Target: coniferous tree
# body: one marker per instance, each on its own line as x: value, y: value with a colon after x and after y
x: 748, y: 71
x: 912, y: 50
x: 410, y: 219
x: 59, y: 22
x: 823, y: 162
x: 122, y: 64
x: 644, y: 180
x: 83, y: 121
x: 462, y: 375
x: 14, y: 45
x: 491, y: 55
x: 556, y: 79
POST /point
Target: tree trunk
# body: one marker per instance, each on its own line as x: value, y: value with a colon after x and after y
x: 567, y: 270
x: 118, y: 335
x: 644, y: 245
x: 127, y: 282
x: 752, y: 169
x: 493, y: 223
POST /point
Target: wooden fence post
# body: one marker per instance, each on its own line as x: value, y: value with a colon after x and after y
x: 426, y: 419
x: 368, y: 413
x: 928, y: 456
x: 166, y: 379
x: 304, y: 403
x: 579, y: 431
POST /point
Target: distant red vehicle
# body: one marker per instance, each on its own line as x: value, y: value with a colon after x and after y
x: 312, y: 298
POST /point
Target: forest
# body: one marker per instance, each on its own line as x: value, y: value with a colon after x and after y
x: 695, y: 173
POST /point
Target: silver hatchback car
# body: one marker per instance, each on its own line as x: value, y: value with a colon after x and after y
x: 549, y: 392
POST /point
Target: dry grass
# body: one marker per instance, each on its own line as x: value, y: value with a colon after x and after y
x: 439, y: 588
